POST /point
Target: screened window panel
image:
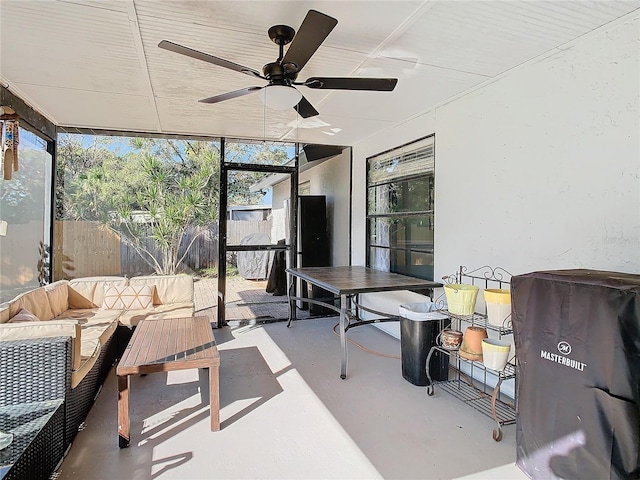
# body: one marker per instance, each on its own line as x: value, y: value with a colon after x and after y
x: 414, y: 159
x: 405, y: 262
x: 258, y: 152
x: 415, y: 232
x: 413, y: 195
x: 24, y: 209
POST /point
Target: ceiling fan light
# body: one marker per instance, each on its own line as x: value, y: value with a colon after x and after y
x: 280, y: 97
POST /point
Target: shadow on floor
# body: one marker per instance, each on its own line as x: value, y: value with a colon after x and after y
x: 163, y: 407
x: 377, y: 407
x: 245, y: 375
x: 287, y: 414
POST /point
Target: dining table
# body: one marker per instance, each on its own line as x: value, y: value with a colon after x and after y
x: 345, y: 284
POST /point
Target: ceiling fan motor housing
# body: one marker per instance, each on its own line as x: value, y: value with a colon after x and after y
x: 279, y: 74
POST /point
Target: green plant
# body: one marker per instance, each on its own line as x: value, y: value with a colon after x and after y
x: 232, y: 270
x: 172, y: 198
x: 44, y: 263
x: 207, y: 272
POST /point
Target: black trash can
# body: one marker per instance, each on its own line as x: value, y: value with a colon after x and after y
x: 577, y: 338
x: 419, y: 328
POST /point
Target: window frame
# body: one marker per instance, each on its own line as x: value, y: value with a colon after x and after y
x: 392, y: 248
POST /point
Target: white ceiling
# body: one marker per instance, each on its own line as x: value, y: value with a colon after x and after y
x: 96, y: 63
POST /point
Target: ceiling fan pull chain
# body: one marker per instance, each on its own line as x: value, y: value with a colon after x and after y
x: 264, y: 121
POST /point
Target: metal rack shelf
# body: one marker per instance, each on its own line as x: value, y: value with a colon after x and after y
x: 504, y: 412
x: 474, y: 392
x: 465, y: 386
x: 480, y: 320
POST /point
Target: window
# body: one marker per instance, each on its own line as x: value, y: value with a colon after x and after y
x: 400, y: 206
x: 304, y: 188
x: 25, y: 213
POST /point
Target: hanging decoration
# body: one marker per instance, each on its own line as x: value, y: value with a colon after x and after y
x: 10, y: 139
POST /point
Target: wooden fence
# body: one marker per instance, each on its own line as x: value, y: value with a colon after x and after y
x: 83, y: 249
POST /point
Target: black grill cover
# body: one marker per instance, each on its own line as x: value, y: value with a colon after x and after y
x: 577, y: 338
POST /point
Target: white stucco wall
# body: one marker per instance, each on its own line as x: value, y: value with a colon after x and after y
x: 537, y: 170
x: 540, y: 170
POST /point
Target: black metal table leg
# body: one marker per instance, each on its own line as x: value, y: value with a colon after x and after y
x: 292, y: 306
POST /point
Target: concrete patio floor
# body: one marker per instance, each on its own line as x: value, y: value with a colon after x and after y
x: 246, y: 301
x: 285, y: 413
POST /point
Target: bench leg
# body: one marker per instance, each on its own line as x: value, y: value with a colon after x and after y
x: 123, y: 411
x: 214, y: 398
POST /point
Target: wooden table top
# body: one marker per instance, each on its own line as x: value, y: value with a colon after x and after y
x: 169, y: 344
x: 349, y: 280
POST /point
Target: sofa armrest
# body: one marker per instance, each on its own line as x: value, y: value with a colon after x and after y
x: 48, y: 329
x: 34, y: 370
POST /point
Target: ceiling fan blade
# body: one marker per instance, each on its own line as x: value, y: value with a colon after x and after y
x: 189, y: 52
x: 315, y: 28
x: 305, y: 109
x: 230, y: 95
x: 350, y: 83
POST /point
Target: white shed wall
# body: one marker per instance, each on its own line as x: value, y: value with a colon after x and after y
x: 331, y: 178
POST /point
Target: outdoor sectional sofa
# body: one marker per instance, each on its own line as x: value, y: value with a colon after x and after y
x: 80, y: 328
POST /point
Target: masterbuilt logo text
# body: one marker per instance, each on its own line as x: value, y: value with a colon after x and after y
x: 563, y: 359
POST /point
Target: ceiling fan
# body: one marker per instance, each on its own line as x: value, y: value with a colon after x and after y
x: 280, y: 93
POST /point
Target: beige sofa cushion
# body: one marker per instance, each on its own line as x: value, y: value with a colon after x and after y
x: 94, y: 334
x: 169, y: 288
x: 96, y: 331
x: 58, y: 295
x: 52, y: 328
x: 97, y: 326
x: 35, y: 301
x: 29, y: 330
x: 4, y: 313
x: 131, y: 318
x: 81, y: 295
x: 94, y: 315
x: 88, y: 292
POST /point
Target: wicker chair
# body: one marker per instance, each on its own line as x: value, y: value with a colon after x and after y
x: 34, y: 378
x: 38, y: 370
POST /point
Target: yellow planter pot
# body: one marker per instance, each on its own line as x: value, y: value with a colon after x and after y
x: 461, y: 298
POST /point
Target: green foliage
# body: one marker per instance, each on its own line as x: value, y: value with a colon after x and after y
x: 207, y: 272
x: 154, y: 193
x: 232, y: 270
x: 151, y: 195
x: 258, y: 153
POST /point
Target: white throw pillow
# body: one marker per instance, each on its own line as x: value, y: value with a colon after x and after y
x: 129, y: 297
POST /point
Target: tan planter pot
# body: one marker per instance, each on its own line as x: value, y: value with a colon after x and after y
x: 471, y: 347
